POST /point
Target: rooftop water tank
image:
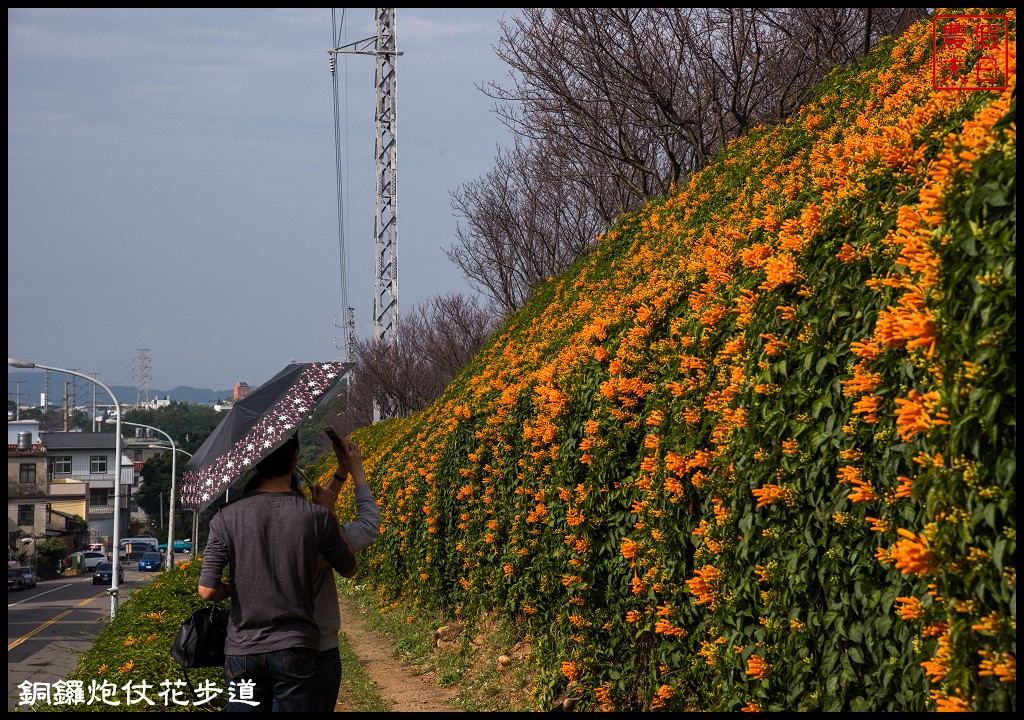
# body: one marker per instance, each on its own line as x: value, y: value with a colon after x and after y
x: 24, y: 440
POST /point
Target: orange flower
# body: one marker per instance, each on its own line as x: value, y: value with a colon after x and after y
x: 788, y: 311
x: 704, y: 585
x: 868, y: 350
x: 911, y: 608
x: 938, y: 666
x: 905, y: 488
x: 879, y: 525
x: 863, y: 382
x: 955, y: 702
x: 867, y: 406
x: 757, y: 668
x: 773, y: 493
x: 604, y: 696
x: 780, y: 270
x: 863, y: 492
x: 912, y: 555
x: 1000, y: 665
x: 850, y: 474
x: 774, y: 346
x: 638, y: 586
x: 919, y: 413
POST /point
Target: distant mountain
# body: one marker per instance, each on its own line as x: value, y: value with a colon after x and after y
x: 31, y: 384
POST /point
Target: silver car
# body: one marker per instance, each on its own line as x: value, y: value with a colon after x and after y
x: 91, y: 558
x: 20, y: 577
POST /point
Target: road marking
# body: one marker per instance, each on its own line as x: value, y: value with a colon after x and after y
x: 45, y: 625
x: 97, y: 596
x: 45, y: 592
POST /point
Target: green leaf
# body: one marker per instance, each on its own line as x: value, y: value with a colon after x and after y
x: 998, y: 552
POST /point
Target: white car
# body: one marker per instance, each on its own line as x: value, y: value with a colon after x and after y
x: 90, y: 559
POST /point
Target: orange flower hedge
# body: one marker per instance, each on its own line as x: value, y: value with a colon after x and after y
x: 757, y: 451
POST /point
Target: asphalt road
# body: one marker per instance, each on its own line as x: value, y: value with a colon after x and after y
x: 50, y: 625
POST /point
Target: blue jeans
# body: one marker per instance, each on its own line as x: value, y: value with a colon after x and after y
x: 328, y: 670
x: 288, y: 677
x: 329, y: 676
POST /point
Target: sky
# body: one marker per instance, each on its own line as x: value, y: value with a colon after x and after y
x: 172, y: 187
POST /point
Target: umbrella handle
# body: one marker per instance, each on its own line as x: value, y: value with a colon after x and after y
x: 304, y: 483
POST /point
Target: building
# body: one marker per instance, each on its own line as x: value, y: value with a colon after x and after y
x: 242, y: 390
x: 36, y: 507
x: 88, y: 458
x: 16, y: 428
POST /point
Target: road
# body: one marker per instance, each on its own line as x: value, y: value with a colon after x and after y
x: 50, y: 625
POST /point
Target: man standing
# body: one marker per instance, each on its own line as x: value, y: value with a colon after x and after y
x: 270, y: 540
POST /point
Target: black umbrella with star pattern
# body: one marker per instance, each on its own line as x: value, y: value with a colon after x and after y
x: 254, y: 427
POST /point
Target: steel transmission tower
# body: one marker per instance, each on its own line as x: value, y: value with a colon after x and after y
x: 384, y: 47
x: 143, y: 387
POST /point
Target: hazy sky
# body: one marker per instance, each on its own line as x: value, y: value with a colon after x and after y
x: 172, y: 185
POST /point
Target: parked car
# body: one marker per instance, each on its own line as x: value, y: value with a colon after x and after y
x: 104, y: 571
x: 179, y: 546
x: 139, y: 545
x: 20, y: 577
x: 137, y: 550
x: 151, y: 561
x: 91, y: 558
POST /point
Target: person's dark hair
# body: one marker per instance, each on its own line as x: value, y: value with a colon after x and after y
x: 256, y: 480
x: 279, y: 462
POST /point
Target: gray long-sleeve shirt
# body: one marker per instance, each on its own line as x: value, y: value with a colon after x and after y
x: 362, y: 533
x: 271, y: 542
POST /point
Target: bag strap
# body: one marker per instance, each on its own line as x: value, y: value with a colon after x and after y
x: 188, y: 682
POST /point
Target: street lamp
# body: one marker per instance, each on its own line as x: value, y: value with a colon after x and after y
x: 170, y: 524
x: 117, y: 465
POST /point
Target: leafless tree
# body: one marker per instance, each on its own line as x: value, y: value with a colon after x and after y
x: 436, y: 342
x: 611, y: 107
x: 455, y: 328
x: 525, y: 224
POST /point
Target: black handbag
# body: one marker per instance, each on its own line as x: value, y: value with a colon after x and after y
x: 200, y: 641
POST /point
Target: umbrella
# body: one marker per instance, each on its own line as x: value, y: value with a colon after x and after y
x: 254, y: 427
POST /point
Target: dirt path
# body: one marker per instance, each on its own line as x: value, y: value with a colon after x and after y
x: 403, y: 689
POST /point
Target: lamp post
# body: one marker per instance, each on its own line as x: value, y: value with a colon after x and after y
x: 117, y: 466
x: 170, y: 524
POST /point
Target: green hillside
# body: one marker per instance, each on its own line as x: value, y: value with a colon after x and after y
x: 758, y: 450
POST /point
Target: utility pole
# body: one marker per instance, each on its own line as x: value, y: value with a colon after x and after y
x: 17, y: 400
x: 96, y: 375
x: 72, y: 400
x: 66, y: 383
